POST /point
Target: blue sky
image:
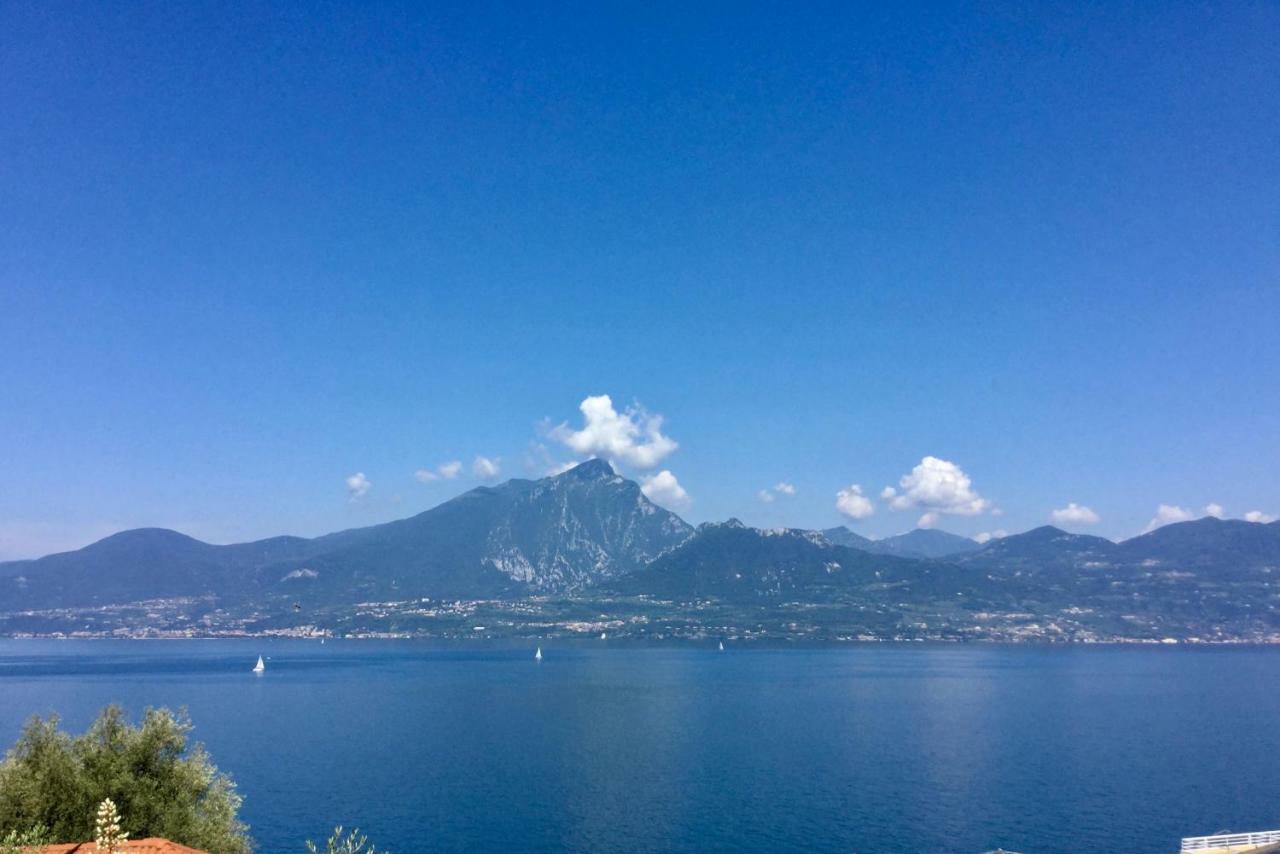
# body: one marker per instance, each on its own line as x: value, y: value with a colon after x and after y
x: 250, y: 250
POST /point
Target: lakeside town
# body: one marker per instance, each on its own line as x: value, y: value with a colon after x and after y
x: 643, y: 619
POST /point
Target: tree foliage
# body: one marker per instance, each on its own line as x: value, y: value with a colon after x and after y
x: 15, y: 842
x: 161, y: 783
x: 352, y: 843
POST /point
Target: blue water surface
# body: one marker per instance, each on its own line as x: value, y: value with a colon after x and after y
x: 875, y: 748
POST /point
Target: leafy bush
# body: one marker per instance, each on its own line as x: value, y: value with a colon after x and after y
x: 161, y: 783
x: 14, y: 842
x: 352, y: 843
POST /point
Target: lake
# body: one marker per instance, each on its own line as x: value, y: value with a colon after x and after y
x: 872, y: 748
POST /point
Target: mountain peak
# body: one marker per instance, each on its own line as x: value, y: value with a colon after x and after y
x: 1044, y: 532
x: 593, y: 469
x: 922, y: 543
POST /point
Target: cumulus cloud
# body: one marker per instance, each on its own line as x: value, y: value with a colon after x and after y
x: 663, y: 488
x: 358, y: 486
x: 1259, y: 517
x: 632, y: 436
x: 938, y: 487
x: 1167, y: 514
x: 1074, y: 514
x: 852, y: 503
x: 485, y: 468
x: 780, y: 488
x: 446, y: 471
x: 988, y: 536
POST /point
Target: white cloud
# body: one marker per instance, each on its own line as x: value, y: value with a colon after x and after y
x: 1167, y: 514
x: 988, y: 536
x: 633, y: 436
x: 937, y: 487
x: 447, y: 471
x: 780, y: 488
x: 852, y: 503
x: 663, y: 488
x: 561, y: 468
x: 358, y: 486
x: 1074, y: 514
x: 1259, y: 517
x: 485, y: 468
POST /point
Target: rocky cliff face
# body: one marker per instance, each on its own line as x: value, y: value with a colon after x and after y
x: 577, y: 528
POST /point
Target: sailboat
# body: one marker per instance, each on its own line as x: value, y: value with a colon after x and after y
x: 260, y: 666
x: 603, y: 636
x: 537, y: 656
x: 722, y: 646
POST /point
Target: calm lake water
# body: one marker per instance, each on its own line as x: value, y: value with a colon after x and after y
x: 866, y: 749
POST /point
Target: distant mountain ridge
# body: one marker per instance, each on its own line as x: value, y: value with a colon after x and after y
x: 919, y: 543
x: 523, y: 537
x: 589, y: 532
x: 732, y: 562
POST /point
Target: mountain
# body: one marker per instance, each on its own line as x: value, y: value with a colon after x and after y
x: 1216, y: 549
x: 145, y: 563
x: 523, y: 537
x: 1219, y: 546
x: 565, y: 550
x: 1042, y: 551
x: 842, y: 536
x: 925, y: 543
x: 732, y: 562
x: 920, y: 543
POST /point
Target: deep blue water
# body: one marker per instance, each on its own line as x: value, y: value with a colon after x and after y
x: 866, y: 749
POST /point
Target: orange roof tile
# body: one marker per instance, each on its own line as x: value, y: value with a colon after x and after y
x: 133, y: 846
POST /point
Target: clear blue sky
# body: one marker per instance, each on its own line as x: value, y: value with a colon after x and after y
x: 248, y: 250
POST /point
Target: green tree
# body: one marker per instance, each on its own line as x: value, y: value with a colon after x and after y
x: 161, y: 783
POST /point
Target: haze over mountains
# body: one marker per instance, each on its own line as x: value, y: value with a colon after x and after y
x: 590, y: 533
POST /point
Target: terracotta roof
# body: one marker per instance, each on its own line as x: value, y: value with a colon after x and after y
x: 133, y: 846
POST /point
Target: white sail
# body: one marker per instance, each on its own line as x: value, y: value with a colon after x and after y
x: 722, y: 646
x: 537, y: 656
x: 260, y: 666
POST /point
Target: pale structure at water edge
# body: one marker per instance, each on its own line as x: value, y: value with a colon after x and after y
x: 1265, y: 842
